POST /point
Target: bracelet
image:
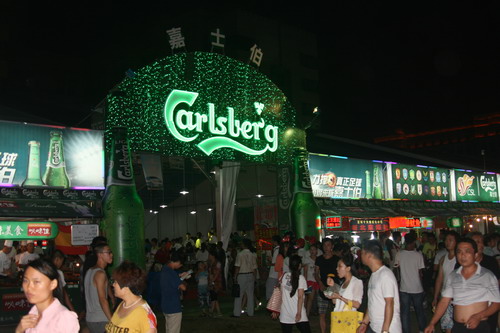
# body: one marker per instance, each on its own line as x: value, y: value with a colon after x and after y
x: 363, y: 323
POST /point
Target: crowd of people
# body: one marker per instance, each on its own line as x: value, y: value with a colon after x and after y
x: 386, y: 278
x: 389, y: 277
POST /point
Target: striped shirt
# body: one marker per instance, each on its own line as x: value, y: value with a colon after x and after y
x: 480, y: 287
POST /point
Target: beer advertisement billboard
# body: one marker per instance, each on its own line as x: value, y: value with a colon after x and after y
x: 475, y: 186
x: 343, y: 178
x: 420, y: 182
x: 39, y: 156
x: 50, y: 170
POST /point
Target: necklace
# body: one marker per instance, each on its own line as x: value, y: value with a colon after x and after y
x: 131, y: 305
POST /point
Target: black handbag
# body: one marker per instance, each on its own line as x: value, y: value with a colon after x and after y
x: 235, y: 292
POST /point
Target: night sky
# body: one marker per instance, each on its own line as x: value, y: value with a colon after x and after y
x: 384, y: 67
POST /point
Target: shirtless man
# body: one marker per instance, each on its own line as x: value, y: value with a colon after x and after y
x: 474, y: 291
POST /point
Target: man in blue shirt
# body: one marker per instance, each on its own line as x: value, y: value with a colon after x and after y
x: 171, y: 285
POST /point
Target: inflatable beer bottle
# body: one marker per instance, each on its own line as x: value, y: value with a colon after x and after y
x: 123, y: 208
x: 305, y: 215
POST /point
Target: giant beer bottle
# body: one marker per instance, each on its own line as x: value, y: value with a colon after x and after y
x: 55, y: 173
x: 123, y: 208
x: 33, y: 174
x: 305, y: 214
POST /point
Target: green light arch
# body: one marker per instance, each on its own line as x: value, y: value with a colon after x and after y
x: 220, y: 82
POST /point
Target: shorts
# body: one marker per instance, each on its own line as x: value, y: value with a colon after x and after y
x: 203, y: 298
x: 313, y: 284
x: 212, y: 295
x: 324, y: 305
x: 446, y: 321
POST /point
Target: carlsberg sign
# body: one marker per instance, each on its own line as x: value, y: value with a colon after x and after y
x: 222, y: 126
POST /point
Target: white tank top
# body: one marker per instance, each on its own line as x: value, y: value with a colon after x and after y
x: 448, y: 267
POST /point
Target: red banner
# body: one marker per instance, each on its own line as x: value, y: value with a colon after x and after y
x: 63, y: 242
x: 264, y: 236
x: 15, y: 302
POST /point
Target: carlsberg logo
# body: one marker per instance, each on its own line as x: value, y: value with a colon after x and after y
x: 224, y: 129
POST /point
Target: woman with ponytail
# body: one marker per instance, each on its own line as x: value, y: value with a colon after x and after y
x: 292, y: 310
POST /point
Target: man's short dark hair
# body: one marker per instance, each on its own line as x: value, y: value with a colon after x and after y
x: 453, y: 233
x: 327, y: 239
x: 99, y: 248
x: 374, y: 247
x: 469, y: 241
x: 176, y: 257
x: 410, y: 238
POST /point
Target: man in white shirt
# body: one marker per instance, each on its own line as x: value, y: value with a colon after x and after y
x: 411, y: 265
x: 6, y: 260
x: 28, y: 256
x: 473, y: 289
x: 245, y: 271
x: 382, y: 314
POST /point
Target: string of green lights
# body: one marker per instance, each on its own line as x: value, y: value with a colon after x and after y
x: 231, y: 104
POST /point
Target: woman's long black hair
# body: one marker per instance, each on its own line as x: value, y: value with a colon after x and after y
x: 48, y: 269
x: 295, y: 263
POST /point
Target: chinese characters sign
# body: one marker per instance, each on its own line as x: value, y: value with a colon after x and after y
x: 366, y: 225
x: 404, y: 222
x: 28, y: 230
x: 420, y: 183
x: 346, y: 178
x: 476, y: 186
x: 333, y: 222
x: 15, y: 302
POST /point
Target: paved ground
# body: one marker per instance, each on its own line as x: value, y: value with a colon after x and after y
x: 192, y: 321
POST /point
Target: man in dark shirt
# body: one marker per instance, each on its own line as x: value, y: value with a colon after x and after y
x: 325, y: 264
x: 171, y: 285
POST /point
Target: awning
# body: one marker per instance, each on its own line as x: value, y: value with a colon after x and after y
x: 382, y: 208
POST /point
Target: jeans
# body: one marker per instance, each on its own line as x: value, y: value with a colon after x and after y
x: 417, y: 300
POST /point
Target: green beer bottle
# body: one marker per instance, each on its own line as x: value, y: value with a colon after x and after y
x: 368, y: 185
x: 33, y: 177
x: 377, y: 186
x: 305, y: 215
x: 123, y: 208
x: 55, y: 173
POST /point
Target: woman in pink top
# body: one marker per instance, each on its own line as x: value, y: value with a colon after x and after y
x: 47, y: 315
